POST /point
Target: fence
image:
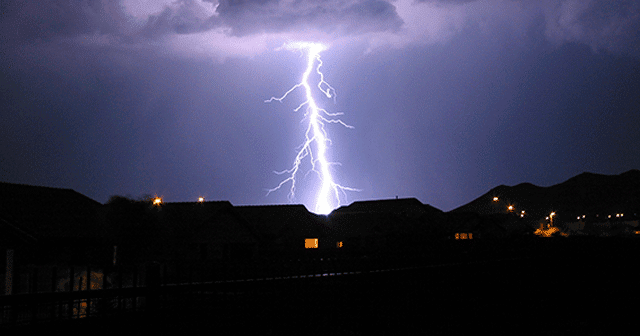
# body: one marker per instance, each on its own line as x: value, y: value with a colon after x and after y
x: 50, y: 293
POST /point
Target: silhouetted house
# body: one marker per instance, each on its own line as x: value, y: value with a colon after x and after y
x: 402, y: 223
x: 144, y: 231
x: 402, y: 207
x: 207, y: 231
x: 286, y: 228
x: 374, y: 233
x: 471, y: 226
x: 60, y: 225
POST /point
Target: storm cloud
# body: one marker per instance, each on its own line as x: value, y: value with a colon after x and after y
x: 448, y: 98
x: 611, y: 26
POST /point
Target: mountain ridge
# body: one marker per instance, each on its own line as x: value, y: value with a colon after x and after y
x: 583, y: 194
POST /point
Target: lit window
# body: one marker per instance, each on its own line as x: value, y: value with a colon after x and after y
x: 339, y: 244
x: 311, y: 243
x: 463, y: 236
x: 457, y: 236
x: 470, y: 235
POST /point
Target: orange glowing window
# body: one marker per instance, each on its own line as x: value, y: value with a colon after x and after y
x: 311, y: 243
x: 463, y: 236
x: 457, y: 236
x: 470, y: 235
x: 339, y: 244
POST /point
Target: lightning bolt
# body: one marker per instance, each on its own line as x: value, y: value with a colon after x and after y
x: 328, y: 197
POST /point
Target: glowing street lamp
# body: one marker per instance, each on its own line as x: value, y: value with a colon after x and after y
x: 495, y: 199
x: 510, y: 208
x: 157, y: 201
x: 200, y: 199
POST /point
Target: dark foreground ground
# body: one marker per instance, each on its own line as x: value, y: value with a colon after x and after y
x: 592, y: 290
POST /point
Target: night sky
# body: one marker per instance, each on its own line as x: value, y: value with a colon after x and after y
x: 448, y: 98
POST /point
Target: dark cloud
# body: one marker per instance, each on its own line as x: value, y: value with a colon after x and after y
x: 185, y: 17
x: 601, y: 24
x: 613, y: 26
x: 275, y: 16
x: 43, y: 20
x: 447, y: 1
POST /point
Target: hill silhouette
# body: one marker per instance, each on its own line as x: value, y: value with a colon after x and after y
x: 589, y: 194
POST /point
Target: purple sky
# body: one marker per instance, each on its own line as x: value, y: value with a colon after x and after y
x: 448, y: 98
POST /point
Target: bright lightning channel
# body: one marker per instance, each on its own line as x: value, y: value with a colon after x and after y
x: 328, y: 197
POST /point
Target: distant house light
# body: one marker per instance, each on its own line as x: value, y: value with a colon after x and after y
x: 311, y: 243
x: 510, y: 208
x: 470, y: 235
x: 583, y: 216
x: 609, y: 216
x: 200, y: 199
x: 339, y: 244
x: 495, y: 199
x: 157, y: 201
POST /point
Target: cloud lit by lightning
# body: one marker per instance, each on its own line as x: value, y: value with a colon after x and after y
x: 316, y: 139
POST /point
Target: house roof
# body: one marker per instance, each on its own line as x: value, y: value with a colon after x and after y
x: 408, y: 207
x: 363, y: 223
x: 208, y: 220
x: 12, y: 236
x: 275, y: 221
x: 49, y: 212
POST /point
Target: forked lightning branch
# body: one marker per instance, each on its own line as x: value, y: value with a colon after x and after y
x: 314, y: 147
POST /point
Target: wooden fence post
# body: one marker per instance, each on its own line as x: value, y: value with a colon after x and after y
x: 88, y: 300
x: 72, y: 280
x: 153, y: 286
x: 8, y: 279
x: 54, y: 277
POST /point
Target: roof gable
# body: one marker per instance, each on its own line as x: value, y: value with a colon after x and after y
x: 49, y: 212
